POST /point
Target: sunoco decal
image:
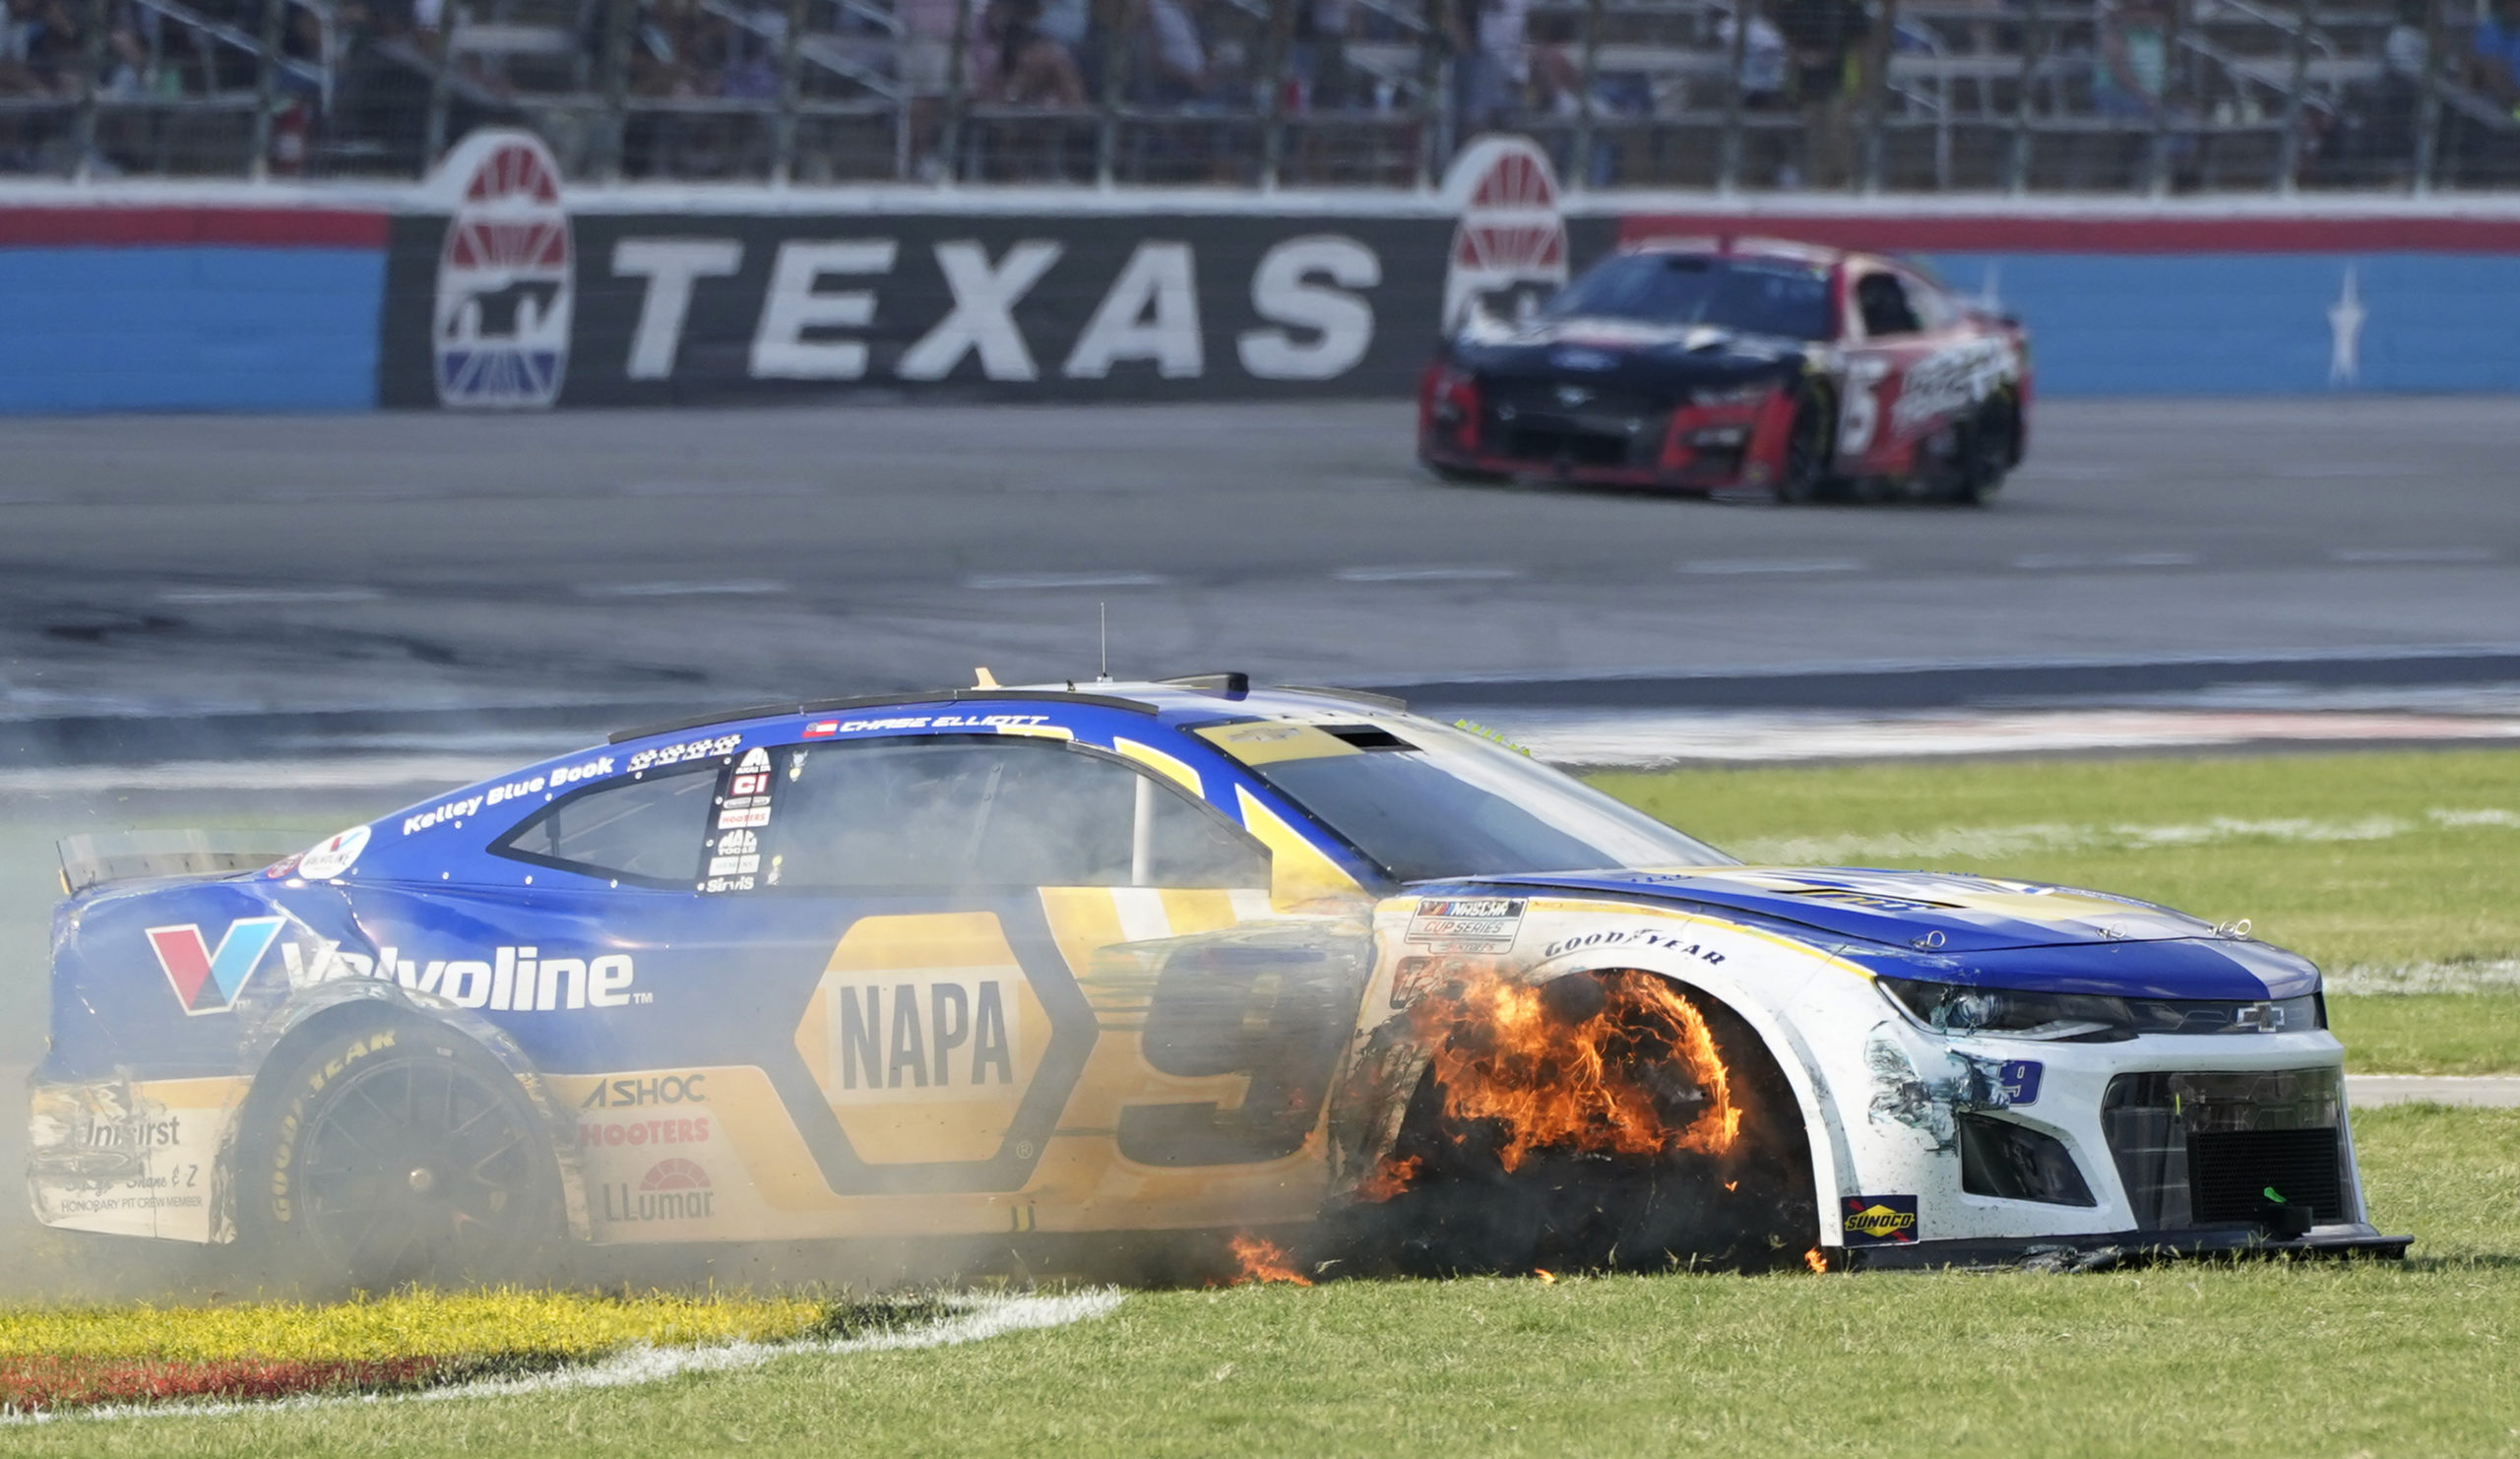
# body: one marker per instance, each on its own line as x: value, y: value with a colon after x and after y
x: 1878, y: 1220
x: 504, y: 282
x: 1466, y: 924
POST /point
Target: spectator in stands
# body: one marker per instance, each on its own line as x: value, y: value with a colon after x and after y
x: 1492, y: 62
x: 1020, y: 65
x: 38, y: 49
x: 2130, y: 82
x: 1824, y: 36
x: 2494, y: 59
x: 1766, y: 150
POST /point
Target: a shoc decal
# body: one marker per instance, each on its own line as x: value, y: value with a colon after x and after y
x: 207, y: 979
x: 1878, y: 1220
x: 1634, y: 937
x: 1466, y: 924
x: 333, y: 856
x: 642, y: 1090
x: 512, y: 979
x: 674, y: 1189
x: 690, y: 749
x: 595, y: 1134
x: 940, y: 1037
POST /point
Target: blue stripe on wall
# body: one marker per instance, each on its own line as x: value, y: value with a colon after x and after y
x: 2254, y: 324
x: 189, y: 329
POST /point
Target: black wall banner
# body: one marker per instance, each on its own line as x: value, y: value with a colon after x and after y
x: 508, y: 301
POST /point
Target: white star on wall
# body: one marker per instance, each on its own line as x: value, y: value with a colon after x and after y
x: 2345, y: 333
x: 1990, y: 295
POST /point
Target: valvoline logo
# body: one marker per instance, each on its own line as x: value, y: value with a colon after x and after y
x: 504, y: 279
x: 207, y: 979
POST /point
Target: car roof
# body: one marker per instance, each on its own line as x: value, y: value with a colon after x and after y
x: 1742, y: 245
x: 1195, y: 696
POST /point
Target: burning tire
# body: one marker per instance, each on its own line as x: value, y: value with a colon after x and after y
x: 1607, y: 1119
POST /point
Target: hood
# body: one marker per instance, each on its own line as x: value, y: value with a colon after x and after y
x: 1983, y: 930
x: 1620, y: 350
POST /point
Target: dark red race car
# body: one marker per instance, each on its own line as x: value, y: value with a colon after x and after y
x: 1748, y: 365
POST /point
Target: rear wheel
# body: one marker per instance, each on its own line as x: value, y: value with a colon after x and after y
x: 397, y: 1152
x: 1985, y: 452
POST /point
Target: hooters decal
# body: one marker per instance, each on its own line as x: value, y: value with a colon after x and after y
x: 1509, y: 248
x: 500, y: 334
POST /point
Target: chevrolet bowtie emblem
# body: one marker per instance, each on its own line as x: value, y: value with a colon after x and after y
x: 1573, y: 395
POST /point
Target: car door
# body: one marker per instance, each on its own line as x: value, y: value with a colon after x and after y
x: 1886, y: 339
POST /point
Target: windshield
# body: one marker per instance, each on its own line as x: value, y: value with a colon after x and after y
x: 1760, y: 296
x: 1424, y: 803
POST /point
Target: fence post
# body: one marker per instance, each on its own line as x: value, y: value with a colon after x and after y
x: 1115, y: 63
x: 442, y: 49
x: 958, y: 96
x: 621, y: 19
x: 1273, y: 77
x: 1727, y: 146
x: 1435, y: 101
x: 2427, y: 115
x: 2288, y: 155
x: 91, y: 65
x: 783, y: 126
x: 1877, y: 89
x: 2033, y: 54
x: 267, y: 85
x: 1581, y: 165
x: 2174, y: 66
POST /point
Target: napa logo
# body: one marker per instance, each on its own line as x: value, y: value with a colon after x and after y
x: 207, y: 979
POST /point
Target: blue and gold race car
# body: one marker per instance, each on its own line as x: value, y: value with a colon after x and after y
x: 1186, y: 957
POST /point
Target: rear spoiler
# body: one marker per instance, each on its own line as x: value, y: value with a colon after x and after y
x: 110, y: 856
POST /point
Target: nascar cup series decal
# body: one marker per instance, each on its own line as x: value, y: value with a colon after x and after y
x: 500, y: 335
x: 1466, y: 924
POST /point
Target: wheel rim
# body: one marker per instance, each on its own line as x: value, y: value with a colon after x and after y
x: 414, y: 1167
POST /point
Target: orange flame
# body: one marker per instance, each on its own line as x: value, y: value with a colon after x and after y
x: 1814, y: 1260
x: 1504, y: 1055
x: 1264, y: 1260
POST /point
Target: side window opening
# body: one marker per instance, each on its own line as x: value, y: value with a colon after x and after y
x: 948, y: 812
x: 1884, y: 306
x: 647, y: 830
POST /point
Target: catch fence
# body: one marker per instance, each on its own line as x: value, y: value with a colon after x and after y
x: 2143, y: 96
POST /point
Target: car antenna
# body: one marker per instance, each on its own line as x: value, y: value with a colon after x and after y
x: 1102, y: 610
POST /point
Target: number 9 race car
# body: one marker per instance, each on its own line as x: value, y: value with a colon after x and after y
x: 1189, y: 957
x: 1751, y: 367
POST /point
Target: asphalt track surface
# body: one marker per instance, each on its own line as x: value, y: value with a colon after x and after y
x: 160, y: 568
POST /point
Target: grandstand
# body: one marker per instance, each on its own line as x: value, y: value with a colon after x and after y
x: 2150, y: 96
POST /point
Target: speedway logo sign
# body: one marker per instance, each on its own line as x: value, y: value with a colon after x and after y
x: 531, y: 305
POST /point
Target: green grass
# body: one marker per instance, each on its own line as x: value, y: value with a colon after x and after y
x: 2388, y: 868
x: 2275, y: 1359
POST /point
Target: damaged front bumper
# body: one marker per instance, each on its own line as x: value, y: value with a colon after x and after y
x: 2125, y: 1249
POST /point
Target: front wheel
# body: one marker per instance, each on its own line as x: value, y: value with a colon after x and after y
x: 1807, y: 454
x: 393, y: 1152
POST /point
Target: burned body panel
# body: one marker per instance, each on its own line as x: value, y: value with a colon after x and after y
x: 993, y: 963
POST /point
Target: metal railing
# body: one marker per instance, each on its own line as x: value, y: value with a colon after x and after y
x: 2147, y: 96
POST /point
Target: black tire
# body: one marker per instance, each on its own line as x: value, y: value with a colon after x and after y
x: 1463, y: 476
x: 1987, y: 450
x: 1751, y: 1208
x: 1807, y: 447
x: 391, y: 1151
